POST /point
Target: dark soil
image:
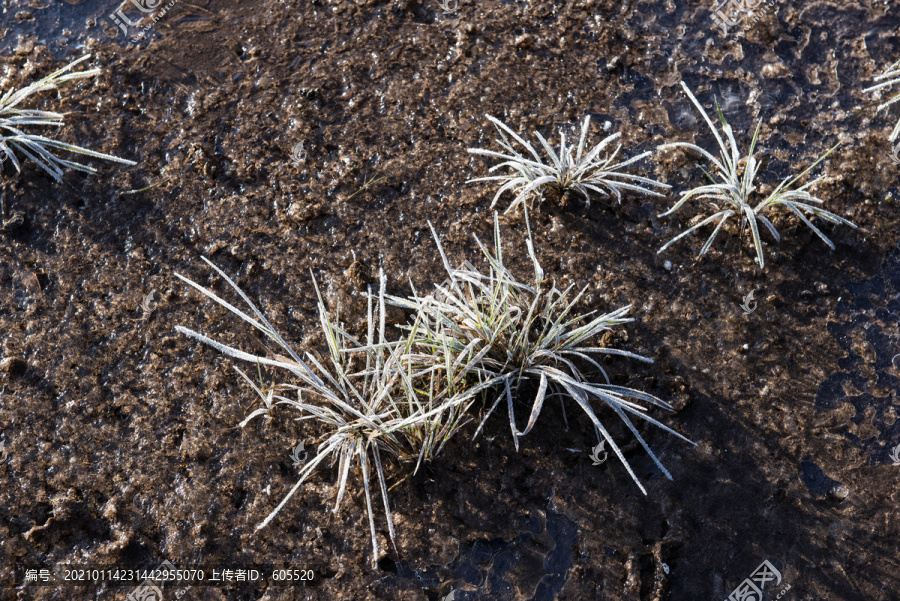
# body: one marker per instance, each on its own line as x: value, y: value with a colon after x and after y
x: 120, y: 445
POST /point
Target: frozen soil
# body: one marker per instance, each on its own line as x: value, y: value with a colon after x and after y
x: 120, y: 444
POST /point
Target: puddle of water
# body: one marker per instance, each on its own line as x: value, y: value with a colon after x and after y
x: 61, y: 25
x: 816, y: 480
x: 867, y: 327
x: 533, y: 566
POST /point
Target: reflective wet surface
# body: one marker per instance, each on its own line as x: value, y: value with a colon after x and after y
x: 867, y: 327
x: 120, y: 438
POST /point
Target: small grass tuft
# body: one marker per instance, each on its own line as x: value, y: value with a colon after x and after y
x: 508, y: 332
x: 36, y: 147
x: 568, y: 169
x: 369, y: 403
x: 733, y: 184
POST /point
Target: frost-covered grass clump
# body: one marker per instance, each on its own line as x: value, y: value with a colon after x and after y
x: 509, y: 332
x: 17, y: 123
x: 732, y: 193
x: 372, y: 397
x: 367, y: 402
x: 570, y: 168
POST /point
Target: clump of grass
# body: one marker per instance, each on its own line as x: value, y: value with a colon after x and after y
x: 733, y: 184
x: 369, y: 402
x: 510, y: 332
x: 570, y: 168
x: 15, y: 120
x: 889, y: 78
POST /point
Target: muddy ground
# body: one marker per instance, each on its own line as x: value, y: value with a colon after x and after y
x: 119, y: 436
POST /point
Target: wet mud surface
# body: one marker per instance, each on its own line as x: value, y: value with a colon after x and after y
x: 119, y: 436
